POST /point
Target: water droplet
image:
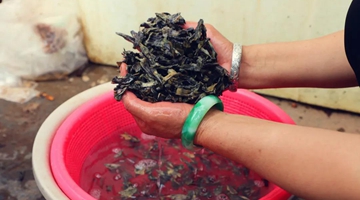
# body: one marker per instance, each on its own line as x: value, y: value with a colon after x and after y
x: 259, y: 183
x: 97, y: 175
x: 116, y: 150
x: 96, y: 193
x: 117, y: 177
x: 201, y: 168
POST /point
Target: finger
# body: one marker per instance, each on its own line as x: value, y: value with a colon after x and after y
x: 134, y: 105
x: 146, y: 110
x: 123, y: 70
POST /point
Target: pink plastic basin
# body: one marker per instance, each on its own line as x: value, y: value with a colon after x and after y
x: 101, y: 116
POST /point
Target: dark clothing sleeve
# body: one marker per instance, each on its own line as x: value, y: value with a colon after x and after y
x: 352, y: 37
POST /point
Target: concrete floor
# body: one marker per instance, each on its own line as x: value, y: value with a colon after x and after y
x: 19, y: 124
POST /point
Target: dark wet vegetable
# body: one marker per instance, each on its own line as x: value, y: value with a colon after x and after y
x: 173, y: 64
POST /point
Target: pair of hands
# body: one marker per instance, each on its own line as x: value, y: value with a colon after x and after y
x: 165, y: 119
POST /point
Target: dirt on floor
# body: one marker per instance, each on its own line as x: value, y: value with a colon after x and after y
x: 19, y: 124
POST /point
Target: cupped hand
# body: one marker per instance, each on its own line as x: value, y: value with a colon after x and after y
x: 165, y: 119
x: 161, y: 119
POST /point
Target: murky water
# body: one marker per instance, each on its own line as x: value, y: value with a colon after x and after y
x: 124, y: 166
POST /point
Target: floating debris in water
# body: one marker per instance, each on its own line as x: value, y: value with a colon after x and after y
x: 128, y: 192
x: 112, y: 166
x: 144, y: 165
x: 129, y: 137
x: 163, y: 169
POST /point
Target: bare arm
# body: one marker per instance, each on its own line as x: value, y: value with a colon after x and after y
x: 319, y: 62
x: 309, y: 162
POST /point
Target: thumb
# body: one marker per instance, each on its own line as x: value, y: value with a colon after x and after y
x: 122, y: 69
x: 134, y: 105
x: 140, y: 123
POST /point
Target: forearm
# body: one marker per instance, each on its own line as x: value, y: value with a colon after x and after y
x: 312, y: 163
x: 319, y: 62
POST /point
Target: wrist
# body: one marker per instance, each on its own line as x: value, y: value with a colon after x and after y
x: 247, y: 74
x: 211, y: 121
x: 235, y: 66
x: 196, y: 116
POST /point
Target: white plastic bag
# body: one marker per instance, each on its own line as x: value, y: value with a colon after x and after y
x: 39, y: 40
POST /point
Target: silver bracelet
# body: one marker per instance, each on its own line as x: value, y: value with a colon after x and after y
x: 235, y: 66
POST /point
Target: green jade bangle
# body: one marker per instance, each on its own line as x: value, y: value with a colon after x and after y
x: 195, y: 117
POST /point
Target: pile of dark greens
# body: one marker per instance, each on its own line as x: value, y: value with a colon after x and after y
x: 172, y: 63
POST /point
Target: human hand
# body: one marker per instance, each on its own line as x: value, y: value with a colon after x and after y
x: 222, y: 46
x: 161, y: 119
x: 165, y: 119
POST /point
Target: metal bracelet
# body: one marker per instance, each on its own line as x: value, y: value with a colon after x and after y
x: 235, y: 66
